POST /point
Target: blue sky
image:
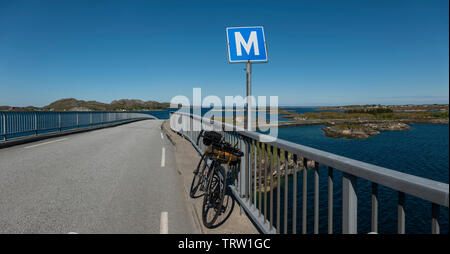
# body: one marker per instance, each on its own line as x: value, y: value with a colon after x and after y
x: 320, y: 52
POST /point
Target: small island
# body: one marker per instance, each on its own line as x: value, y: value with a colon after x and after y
x: 358, y: 122
x: 363, y: 130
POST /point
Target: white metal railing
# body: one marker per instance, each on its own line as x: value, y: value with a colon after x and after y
x: 19, y: 124
x: 265, y: 163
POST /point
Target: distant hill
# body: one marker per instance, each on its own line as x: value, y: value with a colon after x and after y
x: 71, y: 104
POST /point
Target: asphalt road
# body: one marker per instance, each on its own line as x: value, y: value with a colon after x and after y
x: 115, y: 180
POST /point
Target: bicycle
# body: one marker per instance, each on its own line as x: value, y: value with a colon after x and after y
x: 218, y: 152
x: 201, y: 172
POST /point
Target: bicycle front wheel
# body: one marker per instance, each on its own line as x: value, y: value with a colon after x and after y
x: 199, y: 176
x: 213, y: 196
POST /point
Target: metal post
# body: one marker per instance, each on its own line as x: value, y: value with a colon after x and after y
x: 261, y: 156
x: 244, y: 171
x: 278, y: 157
x: 59, y: 121
x: 401, y: 213
x: 330, y: 200
x: 35, y: 123
x: 316, y: 197
x: 286, y: 190
x: 305, y: 195
x: 247, y: 116
x: 349, y: 204
x: 294, y: 192
x: 435, y: 219
x: 374, y: 207
x: 4, y: 125
x: 255, y: 148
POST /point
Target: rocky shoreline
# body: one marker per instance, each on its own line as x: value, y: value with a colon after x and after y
x: 366, y: 121
x: 363, y: 130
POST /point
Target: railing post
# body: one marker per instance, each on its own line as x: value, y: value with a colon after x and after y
x: 316, y: 197
x: 78, y: 123
x: 294, y: 193
x: 255, y: 148
x: 260, y: 155
x: 374, y: 221
x: 435, y: 219
x: 349, y: 204
x: 286, y: 190
x: 90, y: 118
x: 401, y: 213
x: 35, y: 124
x: 59, y: 121
x: 4, y: 125
x: 305, y: 196
x: 330, y: 200
x: 277, y: 157
x: 244, y: 168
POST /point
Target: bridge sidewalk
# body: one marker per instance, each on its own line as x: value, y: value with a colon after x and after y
x: 186, y: 161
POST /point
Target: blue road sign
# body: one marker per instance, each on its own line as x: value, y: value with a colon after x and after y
x: 246, y: 44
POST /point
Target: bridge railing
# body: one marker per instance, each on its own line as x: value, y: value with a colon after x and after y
x: 267, y: 163
x: 19, y: 124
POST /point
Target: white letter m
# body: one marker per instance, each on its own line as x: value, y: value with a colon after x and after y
x: 252, y: 40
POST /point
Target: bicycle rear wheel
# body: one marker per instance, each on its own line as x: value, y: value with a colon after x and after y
x: 213, y: 197
x: 199, y: 176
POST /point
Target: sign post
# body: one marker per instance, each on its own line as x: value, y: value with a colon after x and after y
x: 247, y: 45
x: 248, y: 111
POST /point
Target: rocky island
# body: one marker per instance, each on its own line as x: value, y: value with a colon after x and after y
x: 355, y: 122
x: 362, y: 130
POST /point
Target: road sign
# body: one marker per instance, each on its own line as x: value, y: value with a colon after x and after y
x: 246, y: 44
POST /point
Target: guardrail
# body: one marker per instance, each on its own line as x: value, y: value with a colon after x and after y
x: 19, y: 124
x: 265, y: 163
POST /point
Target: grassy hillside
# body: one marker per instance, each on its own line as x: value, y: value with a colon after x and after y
x: 71, y: 104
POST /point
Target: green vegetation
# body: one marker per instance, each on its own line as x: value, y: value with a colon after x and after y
x: 373, y: 111
x: 442, y: 115
x: 394, y: 108
x: 72, y: 104
x: 375, y: 115
x: 348, y: 126
x: 412, y: 115
x: 336, y: 115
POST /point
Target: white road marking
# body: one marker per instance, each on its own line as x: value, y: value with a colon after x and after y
x: 164, y: 224
x: 163, y: 157
x: 162, y: 137
x: 72, y: 233
x: 46, y: 143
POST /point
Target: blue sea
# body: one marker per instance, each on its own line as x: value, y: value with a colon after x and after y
x: 422, y: 151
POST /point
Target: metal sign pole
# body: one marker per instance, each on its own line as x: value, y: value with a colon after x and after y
x: 248, y: 116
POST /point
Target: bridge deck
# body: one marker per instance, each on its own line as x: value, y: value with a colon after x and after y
x: 111, y: 180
